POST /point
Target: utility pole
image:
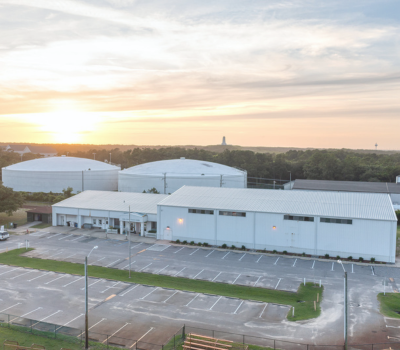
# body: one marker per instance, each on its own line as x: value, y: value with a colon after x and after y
x: 129, y: 245
x: 290, y: 181
x: 165, y: 183
x: 220, y: 181
x: 87, y: 302
x: 345, y: 310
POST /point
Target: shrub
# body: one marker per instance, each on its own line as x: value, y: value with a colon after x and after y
x: 199, y: 244
x: 372, y: 260
x: 205, y: 244
x: 243, y: 247
x: 224, y: 245
x: 191, y: 242
x: 304, y: 254
x: 327, y: 256
x: 361, y: 258
x: 177, y: 241
x: 350, y: 257
x: 338, y: 257
x: 184, y: 242
x: 233, y: 247
x: 284, y: 252
x: 274, y: 251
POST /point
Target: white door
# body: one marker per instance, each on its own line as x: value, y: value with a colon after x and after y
x: 168, y: 233
x: 61, y: 220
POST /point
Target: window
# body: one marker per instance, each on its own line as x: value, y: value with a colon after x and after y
x: 198, y: 211
x: 100, y: 221
x: 298, y: 218
x: 94, y: 221
x: 232, y: 213
x: 153, y: 225
x: 106, y: 222
x: 337, y: 221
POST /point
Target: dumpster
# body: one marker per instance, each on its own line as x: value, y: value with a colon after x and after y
x: 15, y: 225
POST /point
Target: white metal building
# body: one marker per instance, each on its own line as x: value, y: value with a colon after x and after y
x: 57, y: 173
x: 317, y: 223
x: 169, y: 175
x: 109, y: 210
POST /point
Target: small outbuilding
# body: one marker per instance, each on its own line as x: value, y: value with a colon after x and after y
x: 39, y: 213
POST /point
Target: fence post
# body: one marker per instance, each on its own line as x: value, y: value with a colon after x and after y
x: 55, y: 331
x: 183, y: 333
x: 274, y: 344
x: 107, y: 341
x: 30, y: 321
x: 8, y: 316
x: 174, y: 340
x: 243, y: 339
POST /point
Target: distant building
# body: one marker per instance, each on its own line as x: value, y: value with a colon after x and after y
x: 46, y: 151
x: 223, y: 141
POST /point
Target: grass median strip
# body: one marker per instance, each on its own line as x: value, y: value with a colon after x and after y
x: 302, y: 300
x: 390, y: 304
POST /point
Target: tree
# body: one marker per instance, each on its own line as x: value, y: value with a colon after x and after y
x: 10, y: 201
x: 398, y: 216
x: 67, y: 192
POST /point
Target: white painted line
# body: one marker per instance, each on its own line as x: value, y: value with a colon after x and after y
x: 128, y: 265
x: 373, y: 274
x: 194, y: 251
x: 54, y: 255
x: 149, y: 293
x: 179, y: 250
x: 145, y: 267
x: 257, y: 281
x: 121, y: 295
x: 294, y: 264
x: 259, y: 258
x: 242, y: 256
x: 77, y: 239
x: 39, y: 276
x: 352, y: 268
x: 209, y: 253
x: 313, y: 264
x: 112, y: 263
x: 236, y: 279
x: 70, y: 256
x: 225, y: 255
x: 30, y: 312
x: 73, y: 320
x: 162, y: 269
x: 97, y: 261
x: 278, y: 283
x: 103, y: 319
x: 333, y: 264
x: 263, y: 310
x: 141, y: 338
x: 116, y: 332
x: 238, y: 307
x: 56, y: 279
x: 54, y: 235
x: 198, y: 274
x: 10, y: 307
x: 38, y: 235
x: 136, y: 245
x: 215, y: 303
x: 216, y: 277
x: 21, y: 275
x: 64, y: 237
x: 192, y: 300
x: 179, y: 272
x: 276, y: 260
x: 50, y: 316
x: 92, y: 284
x: 9, y: 271
x: 74, y: 281
x: 105, y: 290
x: 169, y: 297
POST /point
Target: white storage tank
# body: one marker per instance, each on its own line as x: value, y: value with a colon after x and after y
x: 57, y: 173
x: 167, y: 176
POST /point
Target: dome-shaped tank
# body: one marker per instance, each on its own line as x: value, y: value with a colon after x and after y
x: 57, y: 173
x: 167, y: 176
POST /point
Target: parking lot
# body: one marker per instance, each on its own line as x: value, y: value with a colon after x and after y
x: 151, y: 313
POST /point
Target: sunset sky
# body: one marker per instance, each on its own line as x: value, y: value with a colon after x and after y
x: 304, y: 73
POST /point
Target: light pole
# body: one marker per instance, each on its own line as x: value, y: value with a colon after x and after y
x: 94, y: 154
x: 110, y: 158
x: 345, y: 305
x: 290, y: 181
x: 87, y: 302
x: 129, y: 244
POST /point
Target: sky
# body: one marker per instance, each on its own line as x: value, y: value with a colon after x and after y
x: 273, y: 73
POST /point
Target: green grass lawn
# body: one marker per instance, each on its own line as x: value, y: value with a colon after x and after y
x: 18, y: 217
x: 390, y: 304
x: 42, y: 225
x: 303, y: 300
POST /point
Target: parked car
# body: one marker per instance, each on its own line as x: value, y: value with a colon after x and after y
x: 3, y: 234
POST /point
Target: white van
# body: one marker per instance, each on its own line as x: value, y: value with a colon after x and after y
x: 3, y: 234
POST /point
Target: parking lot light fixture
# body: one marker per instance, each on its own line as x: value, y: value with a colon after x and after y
x: 345, y: 305
x: 87, y: 301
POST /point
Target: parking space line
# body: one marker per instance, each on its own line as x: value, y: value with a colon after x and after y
x: 103, y: 319
x: 179, y: 272
x: 70, y: 256
x: 352, y: 268
x: 263, y: 310
x: 39, y: 276
x: 22, y: 274
x: 276, y: 260
x: 257, y: 281
x: 136, y: 245
x: 141, y: 338
x: 112, y: 263
x: 215, y: 303
x: 170, y: 297
x: 209, y: 253
x: 294, y: 264
x: 145, y: 267
x: 236, y: 279
x: 372, y: 269
x: 65, y: 237
x: 50, y: 316
x: 54, y: 235
x: 149, y: 293
x: 128, y: 264
x: 198, y: 274
x: 194, y: 251
x: 116, y: 332
x: 10, y: 307
x: 313, y: 264
x: 121, y: 295
x: 192, y: 300
x: 30, y: 312
x: 71, y: 321
x: 9, y: 271
x: 97, y: 260
x: 259, y: 258
x: 239, y: 307
x: 333, y: 265
x: 216, y: 277
x: 92, y: 284
x: 242, y: 256
x: 162, y: 269
x: 74, y: 281
x: 77, y: 239
x: 56, y: 279
x: 225, y: 255
x: 179, y: 250
x: 278, y: 283
x: 54, y: 255
x: 105, y: 290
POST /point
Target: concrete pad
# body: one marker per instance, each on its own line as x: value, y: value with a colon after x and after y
x: 288, y: 285
x: 275, y: 313
x: 189, y: 273
x: 266, y: 260
x: 267, y: 282
x: 246, y: 280
x: 208, y: 275
x: 180, y: 299
x: 204, y: 302
x: 160, y: 295
x: 225, y: 277
x: 365, y: 270
x: 234, y: 256
x: 250, y: 310
x: 304, y: 264
x: 227, y: 305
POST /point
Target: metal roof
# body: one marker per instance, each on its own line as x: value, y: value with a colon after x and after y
x: 346, y: 186
x: 182, y: 166
x: 114, y: 201
x: 61, y: 164
x: 374, y: 206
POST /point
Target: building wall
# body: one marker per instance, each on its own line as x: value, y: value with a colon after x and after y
x: 364, y: 238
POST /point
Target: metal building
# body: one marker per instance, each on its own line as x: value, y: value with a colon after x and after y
x: 57, y: 173
x: 166, y: 176
x: 314, y: 222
